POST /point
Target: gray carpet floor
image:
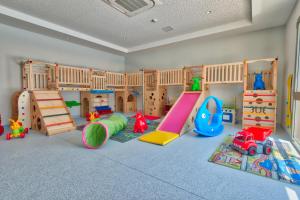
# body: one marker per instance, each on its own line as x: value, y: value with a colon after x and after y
x: 59, y: 167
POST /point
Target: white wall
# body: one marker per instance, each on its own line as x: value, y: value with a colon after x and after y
x: 290, y: 51
x: 213, y: 50
x: 18, y: 44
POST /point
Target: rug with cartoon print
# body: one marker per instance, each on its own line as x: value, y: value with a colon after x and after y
x: 283, y: 164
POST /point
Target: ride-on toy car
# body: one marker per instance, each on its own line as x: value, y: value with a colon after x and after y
x: 17, y: 130
x: 253, y: 140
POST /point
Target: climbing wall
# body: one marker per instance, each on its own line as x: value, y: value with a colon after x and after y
x: 21, y: 108
x: 15, y: 106
x: 24, y: 109
x: 259, y: 109
x: 50, y: 114
x: 155, y: 101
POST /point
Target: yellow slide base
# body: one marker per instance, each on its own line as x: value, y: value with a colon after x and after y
x: 159, y: 137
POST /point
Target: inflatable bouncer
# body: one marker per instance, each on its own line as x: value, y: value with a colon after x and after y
x: 207, y: 124
x: 96, y: 133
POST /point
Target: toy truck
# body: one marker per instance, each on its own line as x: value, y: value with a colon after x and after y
x: 253, y: 140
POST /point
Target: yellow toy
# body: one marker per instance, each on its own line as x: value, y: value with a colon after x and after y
x: 92, y: 116
x: 288, y: 119
x: 17, y: 130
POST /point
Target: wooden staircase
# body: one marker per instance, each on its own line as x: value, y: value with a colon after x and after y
x: 259, y: 109
x: 50, y: 114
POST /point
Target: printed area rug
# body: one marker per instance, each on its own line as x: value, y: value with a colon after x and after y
x: 128, y: 134
x: 283, y: 164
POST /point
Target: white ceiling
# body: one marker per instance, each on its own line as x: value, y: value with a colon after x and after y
x: 95, y: 22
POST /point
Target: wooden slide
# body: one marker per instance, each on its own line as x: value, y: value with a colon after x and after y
x: 50, y: 114
x: 179, y: 120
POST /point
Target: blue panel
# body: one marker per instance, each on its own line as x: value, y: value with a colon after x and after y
x: 101, y: 91
x: 227, y: 117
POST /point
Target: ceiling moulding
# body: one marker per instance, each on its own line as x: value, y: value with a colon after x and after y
x: 45, y: 24
x: 22, y: 17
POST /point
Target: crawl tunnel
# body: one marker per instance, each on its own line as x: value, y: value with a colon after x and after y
x: 96, y: 133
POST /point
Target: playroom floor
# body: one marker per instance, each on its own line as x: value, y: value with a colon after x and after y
x: 59, y: 167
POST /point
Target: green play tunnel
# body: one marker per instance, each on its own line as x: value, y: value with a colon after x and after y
x: 99, y: 131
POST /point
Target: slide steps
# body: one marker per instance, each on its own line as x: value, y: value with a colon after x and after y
x: 50, y: 113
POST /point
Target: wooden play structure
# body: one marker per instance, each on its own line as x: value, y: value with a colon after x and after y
x: 259, y: 107
x: 48, y: 113
x: 44, y: 81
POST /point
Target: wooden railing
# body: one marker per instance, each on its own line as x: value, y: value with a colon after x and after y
x: 135, y: 79
x: 150, y: 79
x: 191, y: 72
x: 267, y: 78
x: 35, y: 76
x: 74, y: 76
x: 224, y: 73
x: 115, y: 79
x: 171, y: 77
x: 99, y: 82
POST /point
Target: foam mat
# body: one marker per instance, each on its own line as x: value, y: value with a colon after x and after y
x: 159, y: 137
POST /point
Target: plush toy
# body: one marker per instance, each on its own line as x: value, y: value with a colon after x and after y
x: 196, y: 84
x: 92, y: 116
x: 140, y: 124
x: 259, y: 84
x: 17, y: 130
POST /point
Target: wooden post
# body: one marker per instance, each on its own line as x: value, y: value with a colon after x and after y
x: 143, y: 85
x: 157, y: 79
x: 24, y: 80
x: 125, y: 105
x: 90, y: 78
x: 56, y: 71
x: 49, y: 77
x: 275, y: 69
x: 203, y: 80
x: 245, y: 75
x: 30, y: 76
x: 184, y: 78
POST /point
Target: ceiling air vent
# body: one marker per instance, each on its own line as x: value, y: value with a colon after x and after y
x: 131, y: 7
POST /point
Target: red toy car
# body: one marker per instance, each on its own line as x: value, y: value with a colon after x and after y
x: 253, y: 140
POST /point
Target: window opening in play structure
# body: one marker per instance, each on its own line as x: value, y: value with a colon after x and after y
x: 130, y: 98
x: 120, y: 104
x: 39, y: 123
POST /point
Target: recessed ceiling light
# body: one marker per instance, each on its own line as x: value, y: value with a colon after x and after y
x: 154, y: 20
x: 209, y: 12
x: 167, y: 28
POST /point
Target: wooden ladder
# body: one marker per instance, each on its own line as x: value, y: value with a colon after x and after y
x: 50, y: 114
